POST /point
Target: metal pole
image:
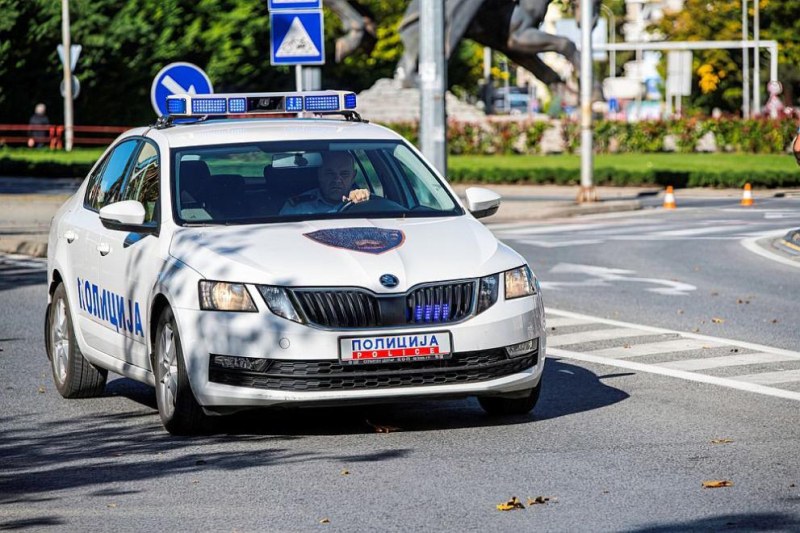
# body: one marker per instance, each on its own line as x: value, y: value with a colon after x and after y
x: 432, y: 83
x: 756, y: 60
x: 612, y: 37
x: 66, y: 41
x: 587, y: 192
x: 298, y: 77
x: 487, y: 62
x: 745, y: 64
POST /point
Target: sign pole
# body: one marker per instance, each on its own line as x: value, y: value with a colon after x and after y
x: 432, y: 123
x: 587, y: 192
x: 298, y: 77
x: 65, y: 37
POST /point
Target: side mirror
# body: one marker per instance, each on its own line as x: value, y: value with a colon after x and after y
x: 127, y: 215
x: 482, y: 202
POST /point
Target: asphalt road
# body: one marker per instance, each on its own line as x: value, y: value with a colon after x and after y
x: 616, y: 449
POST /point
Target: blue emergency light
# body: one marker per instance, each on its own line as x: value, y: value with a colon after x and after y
x: 200, y: 105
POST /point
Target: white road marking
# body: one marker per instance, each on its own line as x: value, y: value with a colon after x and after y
x: 651, y: 348
x: 756, y: 383
x: 750, y: 244
x: 561, y: 322
x: 670, y: 287
x: 728, y: 361
x: 594, y: 335
x: 694, y: 231
x: 559, y: 244
x: 680, y: 374
x: 770, y: 378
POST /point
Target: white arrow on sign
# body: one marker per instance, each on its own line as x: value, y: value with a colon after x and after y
x: 74, y: 53
x: 175, y: 88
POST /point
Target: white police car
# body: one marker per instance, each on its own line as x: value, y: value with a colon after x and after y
x: 234, y: 262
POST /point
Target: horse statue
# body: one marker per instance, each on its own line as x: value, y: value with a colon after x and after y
x: 508, y: 26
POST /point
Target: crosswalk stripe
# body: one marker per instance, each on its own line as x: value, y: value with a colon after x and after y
x: 594, y: 335
x: 725, y: 361
x: 651, y: 348
x: 694, y: 231
x: 770, y: 378
x: 562, y: 322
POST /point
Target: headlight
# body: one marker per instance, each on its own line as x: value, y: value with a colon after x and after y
x: 487, y: 292
x: 520, y: 282
x: 222, y: 296
x: 279, y: 303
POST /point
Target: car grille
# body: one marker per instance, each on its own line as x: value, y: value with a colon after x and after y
x: 440, y: 303
x: 286, y: 375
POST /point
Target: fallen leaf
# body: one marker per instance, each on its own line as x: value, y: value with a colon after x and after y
x: 680, y: 311
x: 41, y: 390
x: 696, y: 330
x: 540, y: 500
x: 721, y: 441
x: 510, y: 505
x: 345, y: 472
x: 717, y: 484
x: 774, y: 320
x: 112, y: 505
x: 626, y: 345
x: 717, y: 320
x: 740, y: 301
x: 734, y: 350
x: 382, y: 429
x: 325, y: 521
x: 792, y: 486
x: 195, y: 481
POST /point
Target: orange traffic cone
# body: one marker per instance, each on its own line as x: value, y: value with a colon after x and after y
x: 747, y: 196
x: 669, y: 199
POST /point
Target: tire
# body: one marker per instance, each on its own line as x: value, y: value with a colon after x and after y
x: 74, y: 376
x: 504, y: 406
x: 180, y: 413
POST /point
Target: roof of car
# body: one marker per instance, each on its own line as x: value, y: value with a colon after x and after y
x: 229, y: 131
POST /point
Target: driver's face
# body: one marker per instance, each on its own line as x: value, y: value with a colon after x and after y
x: 336, y: 176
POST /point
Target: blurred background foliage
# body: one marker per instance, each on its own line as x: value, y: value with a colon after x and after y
x: 125, y: 44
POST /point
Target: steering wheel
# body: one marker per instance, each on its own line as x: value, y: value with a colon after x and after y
x: 346, y: 206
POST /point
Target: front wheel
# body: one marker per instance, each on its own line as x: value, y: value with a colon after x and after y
x: 74, y: 376
x: 517, y: 405
x: 179, y: 410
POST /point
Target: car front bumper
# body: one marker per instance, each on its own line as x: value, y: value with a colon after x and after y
x: 301, y: 363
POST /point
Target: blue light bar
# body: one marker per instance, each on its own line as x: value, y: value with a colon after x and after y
x: 237, y: 105
x: 207, y: 106
x: 197, y: 105
x: 294, y: 104
x: 322, y: 103
x: 176, y: 106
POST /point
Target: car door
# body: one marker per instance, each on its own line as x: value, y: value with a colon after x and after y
x: 98, y: 308
x: 129, y: 267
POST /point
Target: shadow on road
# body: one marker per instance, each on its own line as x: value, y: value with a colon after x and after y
x: 15, y: 273
x: 729, y: 522
x: 87, y: 448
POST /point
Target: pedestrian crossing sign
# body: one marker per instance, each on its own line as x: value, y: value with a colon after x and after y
x: 296, y: 38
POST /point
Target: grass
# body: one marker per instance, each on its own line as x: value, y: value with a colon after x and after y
x: 78, y: 155
x: 673, y: 162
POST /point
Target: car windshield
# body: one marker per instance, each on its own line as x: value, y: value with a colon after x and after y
x: 304, y: 180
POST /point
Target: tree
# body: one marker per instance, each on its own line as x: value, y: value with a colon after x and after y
x: 718, y: 73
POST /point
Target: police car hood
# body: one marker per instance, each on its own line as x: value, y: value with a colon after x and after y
x: 345, y: 253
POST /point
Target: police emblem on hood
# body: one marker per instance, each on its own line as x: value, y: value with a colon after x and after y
x: 367, y: 240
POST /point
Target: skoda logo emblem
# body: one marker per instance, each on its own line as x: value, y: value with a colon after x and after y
x: 389, y: 281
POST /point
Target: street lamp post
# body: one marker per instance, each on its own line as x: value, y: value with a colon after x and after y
x: 587, y: 192
x: 745, y: 64
x: 756, y: 60
x: 65, y: 37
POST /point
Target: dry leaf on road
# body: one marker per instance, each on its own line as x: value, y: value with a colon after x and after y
x: 345, y: 472
x: 510, y: 505
x: 721, y: 441
x: 538, y: 500
x: 717, y: 320
x: 325, y: 521
x: 717, y: 484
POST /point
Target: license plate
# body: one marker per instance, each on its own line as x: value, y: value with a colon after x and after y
x: 395, y: 348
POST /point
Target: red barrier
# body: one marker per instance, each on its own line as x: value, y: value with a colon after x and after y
x: 20, y: 134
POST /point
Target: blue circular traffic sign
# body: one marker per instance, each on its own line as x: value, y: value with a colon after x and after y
x: 177, y: 78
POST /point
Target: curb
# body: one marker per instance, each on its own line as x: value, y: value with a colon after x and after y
x: 790, y: 243
x: 30, y: 248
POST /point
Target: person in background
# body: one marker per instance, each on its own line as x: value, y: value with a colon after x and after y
x: 796, y: 147
x: 37, y: 135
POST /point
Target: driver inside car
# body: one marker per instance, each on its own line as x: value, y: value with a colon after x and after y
x: 336, y: 175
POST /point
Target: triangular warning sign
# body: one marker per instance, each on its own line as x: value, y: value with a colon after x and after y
x: 297, y: 42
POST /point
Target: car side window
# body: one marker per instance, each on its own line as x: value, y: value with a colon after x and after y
x: 143, y: 184
x: 107, y: 187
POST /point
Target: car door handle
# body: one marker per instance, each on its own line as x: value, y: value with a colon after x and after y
x: 103, y: 248
x: 70, y: 235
